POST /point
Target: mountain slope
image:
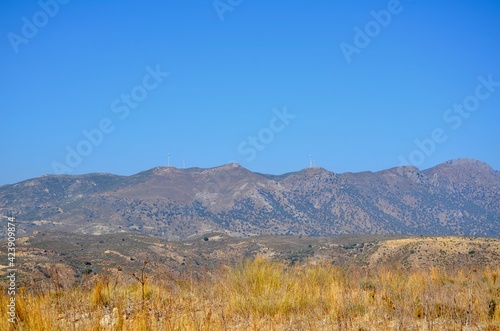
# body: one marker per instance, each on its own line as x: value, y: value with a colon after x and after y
x: 457, y: 197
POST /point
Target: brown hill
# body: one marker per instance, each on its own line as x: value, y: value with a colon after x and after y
x: 459, y: 197
x: 69, y: 257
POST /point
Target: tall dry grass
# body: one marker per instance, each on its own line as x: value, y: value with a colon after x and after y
x: 266, y: 295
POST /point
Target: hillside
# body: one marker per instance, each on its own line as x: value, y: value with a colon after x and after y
x: 137, y: 282
x: 459, y: 197
x: 70, y: 256
x: 216, y: 282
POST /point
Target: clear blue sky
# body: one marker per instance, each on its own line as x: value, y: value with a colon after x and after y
x: 229, y: 78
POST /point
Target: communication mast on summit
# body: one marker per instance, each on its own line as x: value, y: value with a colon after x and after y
x: 312, y: 163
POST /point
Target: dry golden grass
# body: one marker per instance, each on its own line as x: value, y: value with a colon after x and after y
x: 266, y: 295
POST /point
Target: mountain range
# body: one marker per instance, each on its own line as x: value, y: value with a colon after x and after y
x: 458, y: 197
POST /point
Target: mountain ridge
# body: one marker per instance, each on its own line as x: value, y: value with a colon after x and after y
x: 458, y: 161
x: 457, y: 197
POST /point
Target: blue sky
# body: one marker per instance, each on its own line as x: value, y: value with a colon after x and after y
x: 265, y: 86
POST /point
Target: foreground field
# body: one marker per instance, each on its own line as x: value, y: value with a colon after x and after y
x: 265, y: 295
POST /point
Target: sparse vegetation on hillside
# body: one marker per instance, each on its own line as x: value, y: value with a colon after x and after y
x: 261, y: 294
x: 177, y: 204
